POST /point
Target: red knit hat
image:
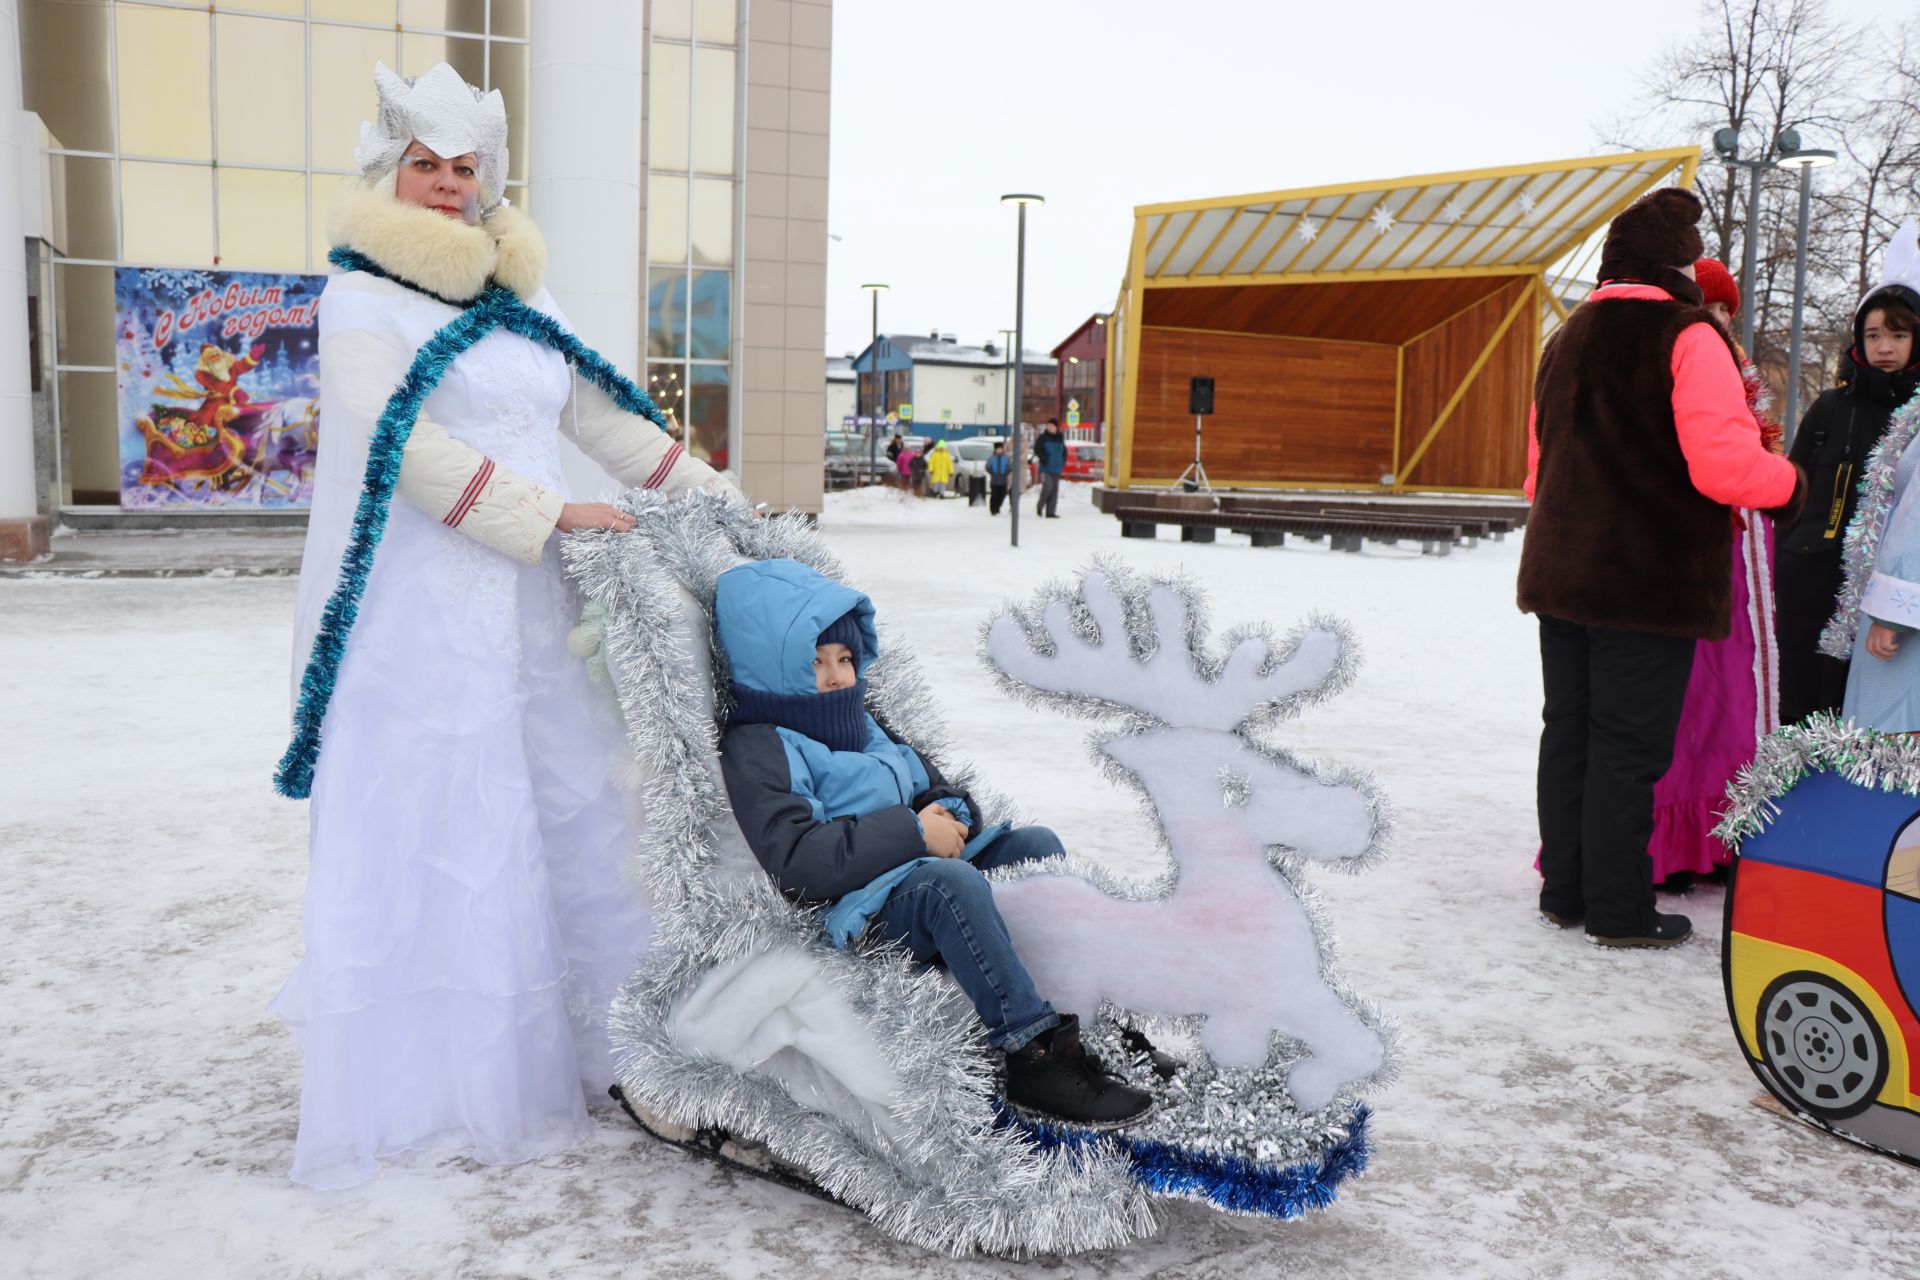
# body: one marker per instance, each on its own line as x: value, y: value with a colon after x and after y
x: 1716, y: 284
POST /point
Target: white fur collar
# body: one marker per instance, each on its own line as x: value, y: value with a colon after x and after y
x: 433, y: 251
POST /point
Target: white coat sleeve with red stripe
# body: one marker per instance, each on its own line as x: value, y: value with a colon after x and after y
x: 633, y: 450
x: 464, y: 489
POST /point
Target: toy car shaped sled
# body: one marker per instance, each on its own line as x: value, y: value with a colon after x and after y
x: 1822, y: 945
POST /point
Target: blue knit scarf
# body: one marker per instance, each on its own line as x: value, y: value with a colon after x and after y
x: 495, y: 307
x: 838, y: 719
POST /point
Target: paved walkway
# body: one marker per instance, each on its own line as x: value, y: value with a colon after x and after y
x: 168, y: 553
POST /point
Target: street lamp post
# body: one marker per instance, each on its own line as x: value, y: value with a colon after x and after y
x: 1806, y: 160
x: 1006, y: 379
x: 1727, y: 143
x: 1022, y: 200
x: 879, y: 392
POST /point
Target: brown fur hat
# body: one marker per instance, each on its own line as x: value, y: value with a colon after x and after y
x: 1653, y: 239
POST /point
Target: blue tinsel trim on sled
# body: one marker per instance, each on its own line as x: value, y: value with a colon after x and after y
x: 495, y: 307
x: 1233, y: 1184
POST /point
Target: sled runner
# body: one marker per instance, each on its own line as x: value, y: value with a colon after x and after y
x: 720, y: 1148
x: 867, y: 1073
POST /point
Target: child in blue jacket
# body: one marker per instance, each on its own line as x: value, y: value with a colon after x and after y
x: 838, y: 811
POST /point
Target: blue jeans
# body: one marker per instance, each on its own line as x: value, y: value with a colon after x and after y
x: 944, y: 911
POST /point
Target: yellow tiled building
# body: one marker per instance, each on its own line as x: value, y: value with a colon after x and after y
x: 675, y: 154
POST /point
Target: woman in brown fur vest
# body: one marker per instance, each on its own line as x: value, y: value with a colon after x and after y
x: 1642, y: 444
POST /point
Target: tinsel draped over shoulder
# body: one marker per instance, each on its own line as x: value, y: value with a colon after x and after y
x: 1869, y: 523
x: 495, y: 306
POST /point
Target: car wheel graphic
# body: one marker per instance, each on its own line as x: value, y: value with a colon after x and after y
x: 1821, y: 1045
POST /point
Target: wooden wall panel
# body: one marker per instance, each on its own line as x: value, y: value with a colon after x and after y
x: 1484, y: 444
x: 1285, y: 411
x: 1392, y: 311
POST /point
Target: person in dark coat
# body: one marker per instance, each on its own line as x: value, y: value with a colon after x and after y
x: 999, y: 476
x: 1641, y: 445
x: 1050, y: 453
x: 1839, y: 431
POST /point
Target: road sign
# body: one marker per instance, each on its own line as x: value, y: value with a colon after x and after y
x: 893, y: 419
x: 1073, y: 415
x: 946, y: 415
x: 906, y: 413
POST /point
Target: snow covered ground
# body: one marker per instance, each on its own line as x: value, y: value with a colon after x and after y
x: 1562, y: 1112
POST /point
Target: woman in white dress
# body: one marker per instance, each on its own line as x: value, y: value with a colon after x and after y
x: 467, y: 916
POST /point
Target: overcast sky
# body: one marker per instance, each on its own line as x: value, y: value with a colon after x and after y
x: 940, y: 107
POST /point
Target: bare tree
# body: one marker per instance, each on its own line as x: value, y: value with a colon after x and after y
x: 1882, y: 140
x: 1759, y: 67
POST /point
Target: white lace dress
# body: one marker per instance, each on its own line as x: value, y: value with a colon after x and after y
x: 468, y: 913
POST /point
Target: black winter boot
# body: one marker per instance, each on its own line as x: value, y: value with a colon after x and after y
x: 1163, y: 1065
x: 1054, y: 1078
x: 1667, y: 931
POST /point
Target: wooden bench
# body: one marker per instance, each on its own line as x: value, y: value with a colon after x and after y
x: 1474, y: 524
x: 1270, y: 529
x: 1469, y: 520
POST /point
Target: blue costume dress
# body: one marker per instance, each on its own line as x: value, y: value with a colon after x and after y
x: 1885, y: 695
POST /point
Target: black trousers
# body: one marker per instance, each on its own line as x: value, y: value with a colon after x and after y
x: 1810, y: 681
x: 1612, y: 706
x: 999, y: 498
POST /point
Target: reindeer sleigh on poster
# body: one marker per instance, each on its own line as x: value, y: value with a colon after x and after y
x: 860, y: 1075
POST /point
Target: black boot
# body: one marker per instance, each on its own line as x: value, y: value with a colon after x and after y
x: 1667, y: 931
x: 1052, y: 1077
x: 1676, y: 882
x: 1163, y: 1066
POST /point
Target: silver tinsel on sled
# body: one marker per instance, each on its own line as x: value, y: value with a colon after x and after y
x: 1245, y: 1113
x: 1822, y: 743
x: 1864, y: 532
x: 948, y: 1178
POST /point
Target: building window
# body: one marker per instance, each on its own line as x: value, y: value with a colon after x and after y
x: 1080, y: 380
x: 1038, y: 389
x: 692, y: 92
x: 220, y: 145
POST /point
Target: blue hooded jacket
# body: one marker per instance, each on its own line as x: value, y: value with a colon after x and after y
x: 824, y: 823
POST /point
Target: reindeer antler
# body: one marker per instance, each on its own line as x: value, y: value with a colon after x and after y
x: 1170, y: 684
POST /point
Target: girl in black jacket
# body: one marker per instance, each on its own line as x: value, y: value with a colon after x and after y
x: 1839, y: 431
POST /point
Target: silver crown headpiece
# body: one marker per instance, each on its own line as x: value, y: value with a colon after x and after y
x: 443, y: 112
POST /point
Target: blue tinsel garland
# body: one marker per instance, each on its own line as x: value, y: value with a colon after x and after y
x: 1239, y: 1186
x: 496, y: 307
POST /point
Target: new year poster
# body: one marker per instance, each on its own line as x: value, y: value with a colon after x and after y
x: 219, y: 375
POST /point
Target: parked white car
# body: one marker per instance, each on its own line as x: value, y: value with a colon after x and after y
x: 970, y: 455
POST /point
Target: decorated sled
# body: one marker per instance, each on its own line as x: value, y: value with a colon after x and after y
x: 865, y: 1074
x: 1821, y: 954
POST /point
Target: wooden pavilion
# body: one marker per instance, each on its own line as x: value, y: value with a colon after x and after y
x: 1378, y: 337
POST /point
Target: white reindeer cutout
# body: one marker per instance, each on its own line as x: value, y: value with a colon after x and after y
x: 1231, y: 941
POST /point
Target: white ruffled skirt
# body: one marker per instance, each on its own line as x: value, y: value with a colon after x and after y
x: 469, y: 909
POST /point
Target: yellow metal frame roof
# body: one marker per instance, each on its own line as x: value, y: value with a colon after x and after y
x: 1512, y: 221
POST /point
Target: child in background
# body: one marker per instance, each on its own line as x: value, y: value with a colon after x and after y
x: 1883, y: 678
x: 1731, y: 701
x: 1833, y: 444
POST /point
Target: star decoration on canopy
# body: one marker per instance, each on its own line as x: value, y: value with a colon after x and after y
x: 1307, y: 230
x: 1452, y: 211
x: 1382, y: 221
x: 1527, y: 204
